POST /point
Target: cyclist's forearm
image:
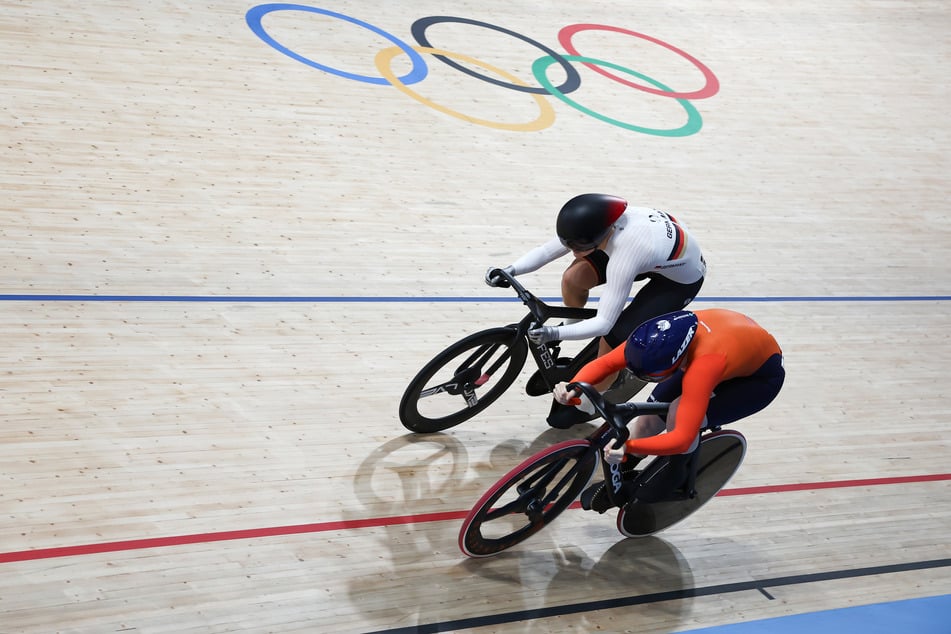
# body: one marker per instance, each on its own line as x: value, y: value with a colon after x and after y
x: 539, y: 257
x: 596, y: 371
x: 585, y: 329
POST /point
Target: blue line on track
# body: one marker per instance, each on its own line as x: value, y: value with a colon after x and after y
x: 927, y: 615
x: 329, y: 299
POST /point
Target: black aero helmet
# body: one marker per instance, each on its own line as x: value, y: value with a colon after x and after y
x: 585, y: 220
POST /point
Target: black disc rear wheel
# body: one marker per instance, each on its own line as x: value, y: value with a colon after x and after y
x: 720, y: 456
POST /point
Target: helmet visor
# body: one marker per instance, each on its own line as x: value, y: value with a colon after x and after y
x: 585, y: 244
x: 656, y: 377
x: 579, y: 245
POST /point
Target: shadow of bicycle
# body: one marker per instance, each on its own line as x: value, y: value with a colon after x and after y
x: 415, y: 474
x: 411, y: 472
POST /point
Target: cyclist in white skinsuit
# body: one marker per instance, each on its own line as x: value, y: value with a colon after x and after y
x: 614, y: 245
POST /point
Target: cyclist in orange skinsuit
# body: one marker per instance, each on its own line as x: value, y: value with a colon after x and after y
x: 714, y: 366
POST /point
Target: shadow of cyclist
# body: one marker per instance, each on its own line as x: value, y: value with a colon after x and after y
x: 629, y: 568
x: 647, y: 572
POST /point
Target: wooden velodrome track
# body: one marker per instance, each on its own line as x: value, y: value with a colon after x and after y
x: 230, y: 243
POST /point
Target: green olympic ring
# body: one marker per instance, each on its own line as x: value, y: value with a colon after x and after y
x: 694, y: 120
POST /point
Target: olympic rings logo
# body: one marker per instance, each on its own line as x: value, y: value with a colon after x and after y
x: 540, y: 66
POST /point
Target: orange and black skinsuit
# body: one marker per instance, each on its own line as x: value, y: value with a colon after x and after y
x: 732, y: 369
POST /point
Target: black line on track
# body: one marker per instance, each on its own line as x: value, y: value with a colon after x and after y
x: 657, y: 597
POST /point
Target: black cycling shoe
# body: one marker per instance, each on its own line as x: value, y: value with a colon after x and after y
x: 536, y: 385
x: 595, y: 498
x: 565, y: 416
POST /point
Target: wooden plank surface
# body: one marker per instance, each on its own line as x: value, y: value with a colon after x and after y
x: 223, y: 265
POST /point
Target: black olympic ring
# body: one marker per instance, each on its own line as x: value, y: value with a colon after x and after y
x: 571, y: 84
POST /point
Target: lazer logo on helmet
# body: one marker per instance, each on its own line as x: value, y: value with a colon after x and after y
x: 683, y: 346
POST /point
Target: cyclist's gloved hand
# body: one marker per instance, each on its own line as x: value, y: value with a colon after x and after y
x: 612, y: 455
x: 563, y: 396
x: 492, y: 277
x: 543, y: 334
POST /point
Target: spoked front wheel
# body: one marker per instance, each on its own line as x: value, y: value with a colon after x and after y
x: 721, y: 453
x: 527, y: 498
x: 463, y: 380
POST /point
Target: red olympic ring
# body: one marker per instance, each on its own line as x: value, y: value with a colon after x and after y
x: 709, y: 89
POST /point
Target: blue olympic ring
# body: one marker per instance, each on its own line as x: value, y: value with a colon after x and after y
x: 255, y: 14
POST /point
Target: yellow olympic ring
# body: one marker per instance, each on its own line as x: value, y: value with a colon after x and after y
x: 545, y: 119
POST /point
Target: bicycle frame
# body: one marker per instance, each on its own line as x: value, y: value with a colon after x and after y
x: 544, y: 354
x: 479, y: 368
x: 540, y: 488
x: 614, y: 429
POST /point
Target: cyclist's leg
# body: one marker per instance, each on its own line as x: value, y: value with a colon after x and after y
x: 668, y: 391
x: 743, y: 396
x: 581, y: 276
x: 595, y: 497
x: 664, y: 480
x: 578, y: 279
x: 652, y: 424
x: 660, y: 295
x: 731, y: 401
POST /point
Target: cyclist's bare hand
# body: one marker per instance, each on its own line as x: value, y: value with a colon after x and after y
x: 564, y: 396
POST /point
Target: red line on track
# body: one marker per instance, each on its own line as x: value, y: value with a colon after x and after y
x: 321, y: 527
x: 837, y: 484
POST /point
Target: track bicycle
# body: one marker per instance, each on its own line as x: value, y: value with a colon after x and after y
x: 533, y: 494
x: 471, y: 374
